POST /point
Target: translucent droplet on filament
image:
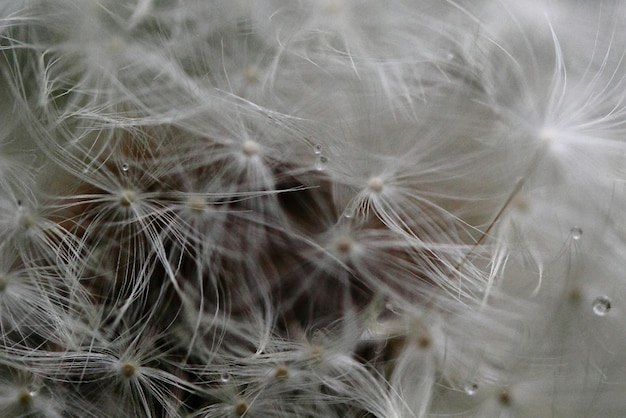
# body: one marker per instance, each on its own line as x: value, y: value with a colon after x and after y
x: 471, y: 388
x: 601, y: 305
x: 320, y: 162
x: 577, y: 233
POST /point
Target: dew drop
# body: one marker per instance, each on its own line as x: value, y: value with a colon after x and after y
x: 125, y: 167
x: 320, y: 162
x: 471, y: 389
x: 577, y: 233
x: 225, y: 377
x: 317, y: 149
x: 348, y: 212
x: 601, y: 305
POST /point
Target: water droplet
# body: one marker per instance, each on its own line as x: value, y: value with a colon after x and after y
x: 125, y: 167
x: 577, y: 233
x: 225, y: 377
x: 348, y: 212
x: 320, y: 162
x: 317, y: 149
x: 601, y: 305
x: 471, y: 388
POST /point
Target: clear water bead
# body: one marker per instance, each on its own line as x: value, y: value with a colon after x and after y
x: 317, y: 149
x: 471, y: 388
x: 601, y: 305
x: 577, y: 233
x: 125, y: 167
x: 348, y: 212
x: 320, y: 162
x: 225, y: 377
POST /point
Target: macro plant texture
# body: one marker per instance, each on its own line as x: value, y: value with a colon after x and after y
x: 313, y: 208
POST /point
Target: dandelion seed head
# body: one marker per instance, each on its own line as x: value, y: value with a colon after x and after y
x: 504, y: 397
x: 27, y: 219
x: 281, y: 372
x: 251, y: 75
x: 553, y: 140
x: 424, y: 340
x: 4, y: 282
x: 196, y: 205
x: 250, y: 148
x: 344, y: 244
x: 375, y: 184
x: 128, y: 370
x: 25, y: 396
x: 127, y: 197
x: 575, y: 295
x: 240, y: 408
x: 315, y: 354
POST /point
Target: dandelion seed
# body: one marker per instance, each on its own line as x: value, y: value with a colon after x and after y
x: 504, y: 397
x: 196, y: 205
x: 575, y: 295
x: 127, y: 198
x: 343, y: 244
x: 424, y: 340
x: 25, y: 397
x: 250, y: 148
x: 375, y: 184
x: 281, y: 372
x: 128, y: 370
x: 241, y: 408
